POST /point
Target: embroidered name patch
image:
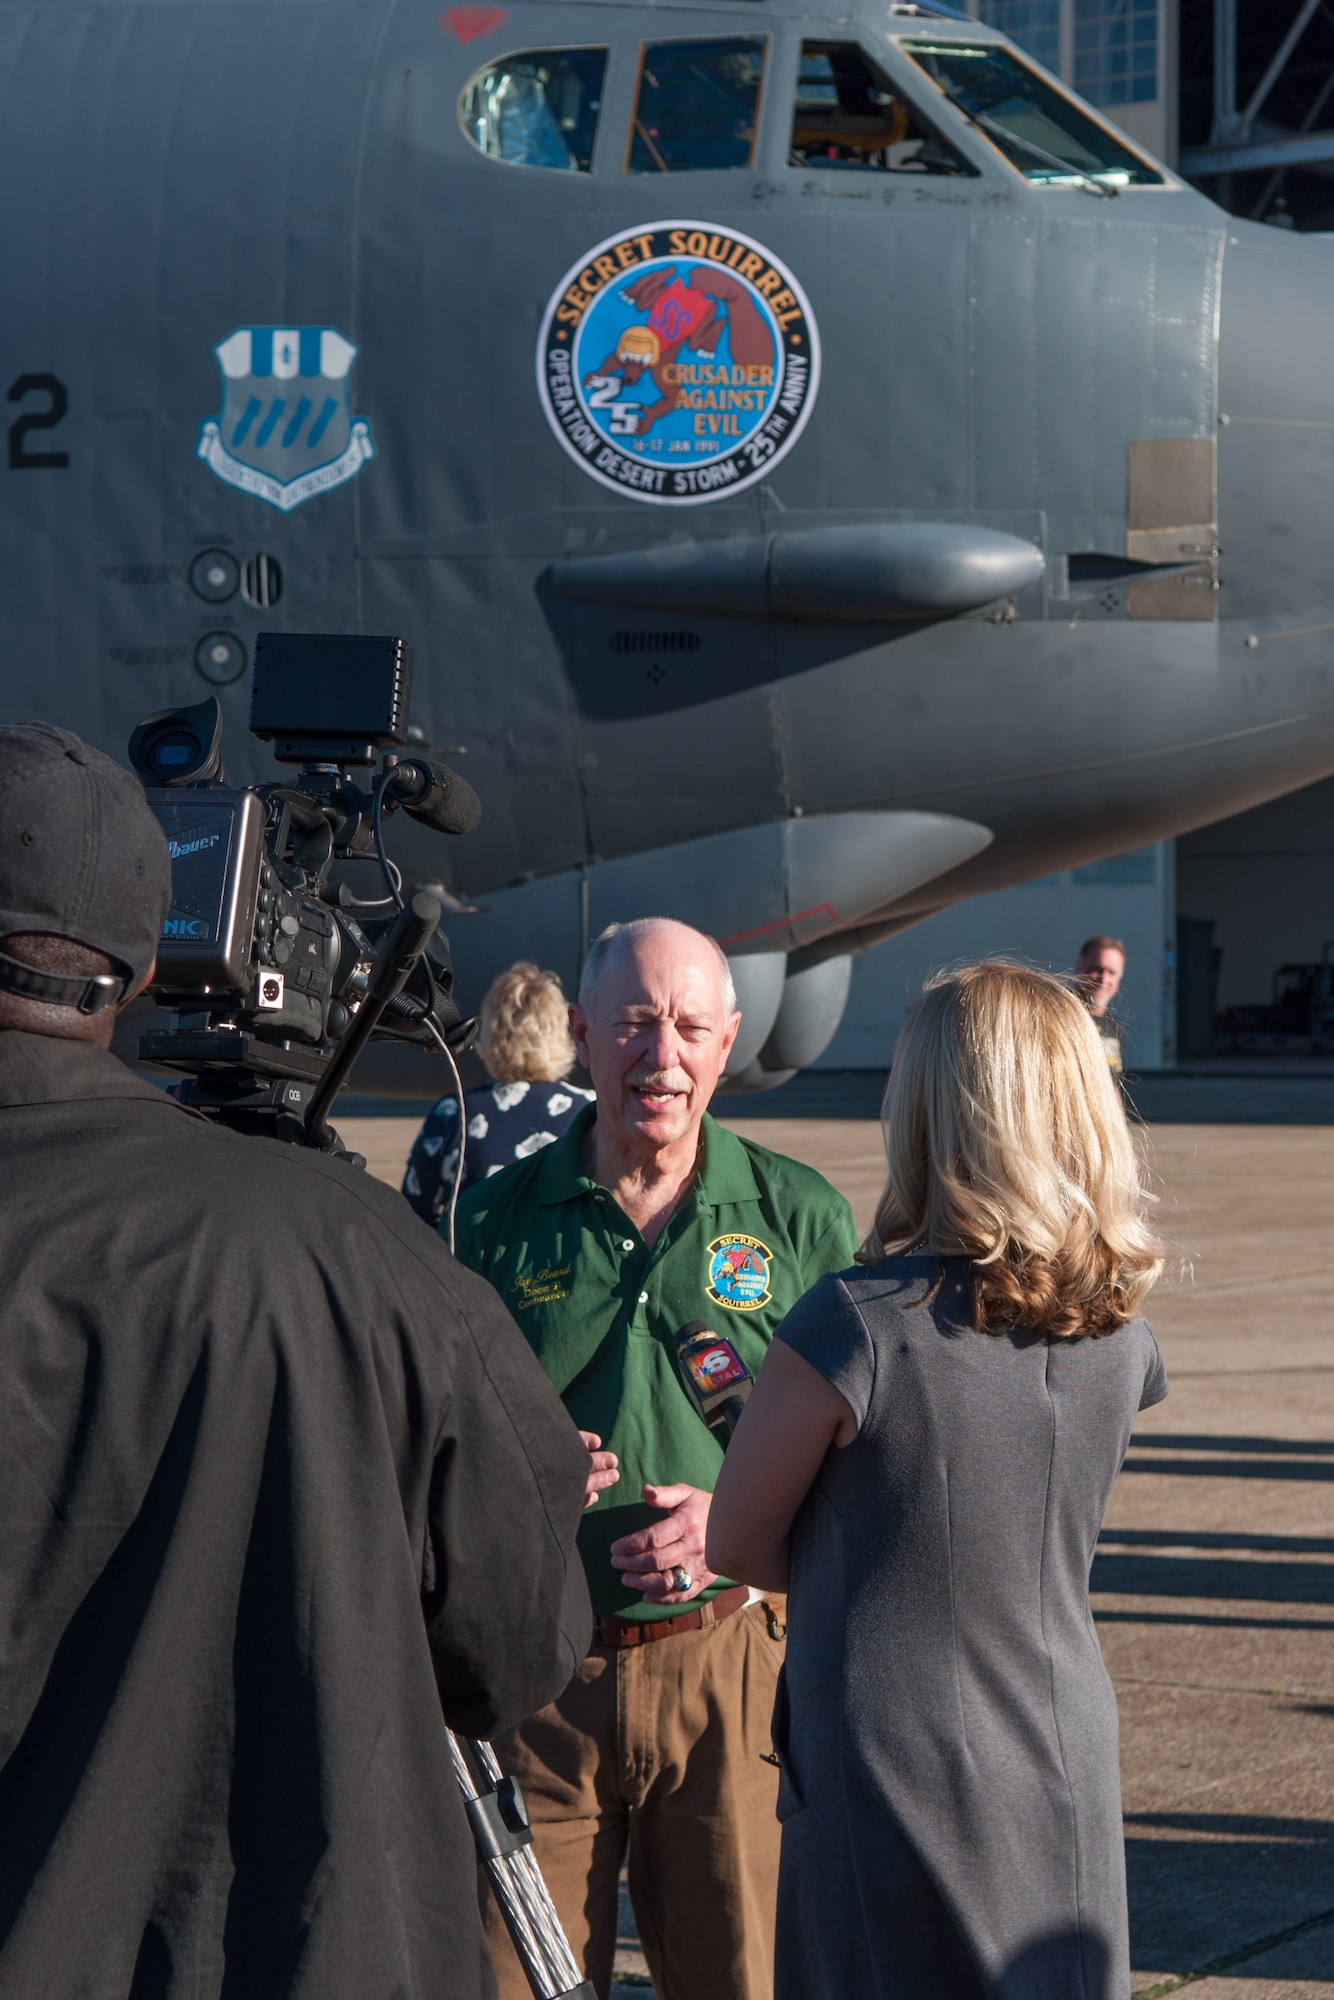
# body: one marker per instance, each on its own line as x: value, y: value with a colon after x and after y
x: 540, y: 1288
x: 739, y: 1273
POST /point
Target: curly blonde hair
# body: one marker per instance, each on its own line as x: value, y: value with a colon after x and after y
x: 525, y: 1035
x: 1008, y: 1143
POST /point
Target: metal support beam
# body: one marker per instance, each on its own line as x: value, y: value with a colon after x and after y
x: 1232, y: 149
x: 1225, y: 71
x: 1225, y: 88
x: 1275, y: 181
x: 1305, y: 14
x: 1299, y: 150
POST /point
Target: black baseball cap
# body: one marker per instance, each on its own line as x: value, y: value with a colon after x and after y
x: 81, y: 857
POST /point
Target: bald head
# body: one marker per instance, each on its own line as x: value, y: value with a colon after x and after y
x: 679, y: 939
x: 654, y: 1025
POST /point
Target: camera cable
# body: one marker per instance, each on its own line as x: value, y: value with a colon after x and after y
x: 391, y: 874
x: 448, y: 1054
x: 352, y: 902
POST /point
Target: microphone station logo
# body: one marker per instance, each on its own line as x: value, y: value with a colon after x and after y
x: 717, y: 1367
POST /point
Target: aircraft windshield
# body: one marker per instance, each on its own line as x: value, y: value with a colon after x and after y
x: 849, y: 115
x: 538, y: 109
x: 1042, y: 132
x: 698, y: 105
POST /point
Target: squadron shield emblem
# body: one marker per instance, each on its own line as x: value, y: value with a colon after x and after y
x: 285, y: 431
x: 678, y: 362
x: 739, y: 1273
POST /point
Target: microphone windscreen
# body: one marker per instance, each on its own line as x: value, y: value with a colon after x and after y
x: 457, y: 808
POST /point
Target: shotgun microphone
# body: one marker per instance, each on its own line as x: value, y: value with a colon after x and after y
x: 717, y: 1379
x: 435, y: 795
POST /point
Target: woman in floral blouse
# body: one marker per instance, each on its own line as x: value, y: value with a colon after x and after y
x: 526, y: 1046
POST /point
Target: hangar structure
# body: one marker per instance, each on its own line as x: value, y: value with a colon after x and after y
x: 1120, y: 55
x: 1233, y: 924
x: 1237, y: 94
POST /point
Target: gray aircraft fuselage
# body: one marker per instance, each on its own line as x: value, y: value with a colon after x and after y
x: 786, y: 738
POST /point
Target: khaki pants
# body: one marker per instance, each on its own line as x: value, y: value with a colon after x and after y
x: 653, y: 1757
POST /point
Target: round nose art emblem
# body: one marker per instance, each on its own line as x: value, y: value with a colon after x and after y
x: 678, y: 362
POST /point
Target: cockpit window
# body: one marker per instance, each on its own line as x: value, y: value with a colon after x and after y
x: 849, y: 115
x: 698, y: 106
x: 1043, y: 133
x: 538, y: 109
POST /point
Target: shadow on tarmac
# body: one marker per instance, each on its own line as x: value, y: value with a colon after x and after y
x: 1214, y: 1441
x: 1248, y: 1457
x: 1253, y: 1581
x: 1234, y: 1879
x: 1190, y: 1563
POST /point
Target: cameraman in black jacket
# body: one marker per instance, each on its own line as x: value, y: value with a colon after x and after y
x: 282, y: 1492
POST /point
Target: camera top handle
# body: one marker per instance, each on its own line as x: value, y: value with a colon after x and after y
x: 392, y: 967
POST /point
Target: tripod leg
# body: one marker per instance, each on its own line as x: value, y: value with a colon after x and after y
x: 499, y: 1821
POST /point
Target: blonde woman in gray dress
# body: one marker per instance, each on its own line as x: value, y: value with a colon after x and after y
x: 924, y: 1466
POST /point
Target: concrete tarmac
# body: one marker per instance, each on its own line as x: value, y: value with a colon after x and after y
x: 1214, y: 1581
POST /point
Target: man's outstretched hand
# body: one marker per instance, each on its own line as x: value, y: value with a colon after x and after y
x: 602, y: 1470
x: 647, y: 1559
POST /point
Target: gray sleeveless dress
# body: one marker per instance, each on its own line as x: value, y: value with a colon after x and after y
x: 946, y: 1730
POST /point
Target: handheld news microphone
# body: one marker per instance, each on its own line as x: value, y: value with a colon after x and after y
x: 716, y: 1378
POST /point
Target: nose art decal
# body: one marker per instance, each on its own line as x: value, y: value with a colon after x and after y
x: 678, y: 362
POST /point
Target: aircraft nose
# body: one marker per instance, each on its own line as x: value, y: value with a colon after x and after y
x: 1276, y: 431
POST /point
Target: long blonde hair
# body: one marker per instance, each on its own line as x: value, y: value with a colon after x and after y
x: 1008, y: 1144
x: 525, y: 1035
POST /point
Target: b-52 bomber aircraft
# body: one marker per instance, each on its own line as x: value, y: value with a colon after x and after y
x: 824, y: 470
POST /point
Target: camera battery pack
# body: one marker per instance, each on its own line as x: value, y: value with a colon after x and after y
x: 216, y: 841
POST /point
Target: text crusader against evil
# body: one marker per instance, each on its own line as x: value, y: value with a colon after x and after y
x: 677, y: 363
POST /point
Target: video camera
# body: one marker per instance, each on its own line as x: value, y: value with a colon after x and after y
x: 278, y: 981
x: 277, y: 975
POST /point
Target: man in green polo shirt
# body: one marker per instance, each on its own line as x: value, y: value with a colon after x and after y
x: 644, y: 1216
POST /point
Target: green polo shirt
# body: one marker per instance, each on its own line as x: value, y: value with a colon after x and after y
x: 600, y: 1308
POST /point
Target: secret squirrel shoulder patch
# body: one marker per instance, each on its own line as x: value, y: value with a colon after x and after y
x: 739, y: 1273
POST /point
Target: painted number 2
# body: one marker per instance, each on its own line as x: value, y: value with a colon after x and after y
x: 21, y: 459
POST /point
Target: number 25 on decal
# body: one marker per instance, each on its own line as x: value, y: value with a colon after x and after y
x: 603, y: 393
x: 21, y: 459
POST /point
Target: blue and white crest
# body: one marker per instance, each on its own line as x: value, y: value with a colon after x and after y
x: 285, y: 431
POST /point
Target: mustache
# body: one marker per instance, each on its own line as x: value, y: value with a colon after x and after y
x: 659, y: 1079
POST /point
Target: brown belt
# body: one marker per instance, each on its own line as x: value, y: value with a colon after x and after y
x: 642, y: 1631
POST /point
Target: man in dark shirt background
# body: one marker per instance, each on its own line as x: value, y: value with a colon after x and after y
x: 283, y: 1491
x: 1099, y: 969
